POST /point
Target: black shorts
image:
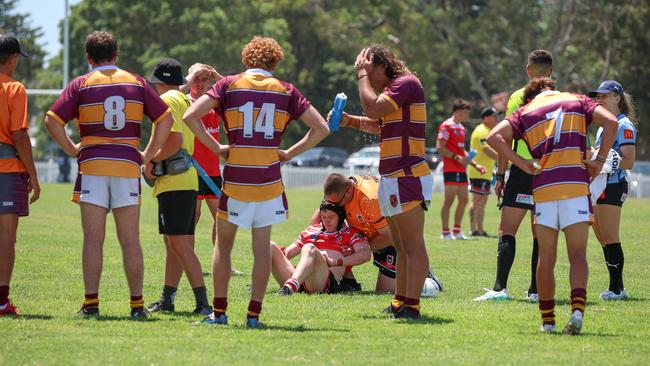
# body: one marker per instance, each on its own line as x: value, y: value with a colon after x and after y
x: 479, y: 186
x: 614, y: 194
x: 518, y: 191
x: 331, y: 287
x: 205, y: 191
x: 14, y: 198
x: 386, y: 260
x: 455, y: 178
x: 177, y: 212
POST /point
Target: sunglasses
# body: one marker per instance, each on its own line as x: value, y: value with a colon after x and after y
x: 341, y: 200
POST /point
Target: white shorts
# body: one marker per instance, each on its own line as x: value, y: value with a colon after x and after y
x: 253, y: 214
x: 399, y: 195
x: 563, y: 213
x: 109, y: 192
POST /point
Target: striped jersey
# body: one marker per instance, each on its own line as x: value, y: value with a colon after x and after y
x: 109, y: 105
x: 255, y: 108
x: 401, y: 146
x: 453, y: 133
x: 554, y: 126
x: 337, y: 241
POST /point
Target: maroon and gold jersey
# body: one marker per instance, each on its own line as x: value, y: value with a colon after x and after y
x: 554, y: 126
x: 109, y: 105
x: 255, y: 108
x: 401, y: 146
x: 453, y: 134
x: 337, y: 241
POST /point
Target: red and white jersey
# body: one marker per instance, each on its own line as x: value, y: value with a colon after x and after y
x: 204, y: 156
x: 338, y: 241
x: 453, y: 134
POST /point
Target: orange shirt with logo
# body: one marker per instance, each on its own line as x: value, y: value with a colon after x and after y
x: 13, y: 117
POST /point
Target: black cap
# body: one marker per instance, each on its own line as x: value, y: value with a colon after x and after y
x: 167, y: 71
x: 10, y: 45
x: 488, y: 111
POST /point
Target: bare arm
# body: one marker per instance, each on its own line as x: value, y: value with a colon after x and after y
x: 628, y: 155
x: 158, y: 137
x: 374, y: 105
x: 490, y: 152
x: 602, y: 118
x: 291, y: 251
x: 318, y: 130
x: 171, y: 146
x: 57, y: 131
x: 362, y: 254
x: 383, y: 239
x: 192, y: 119
x: 361, y: 123
x: 24, y: 148
x: 500, y: 139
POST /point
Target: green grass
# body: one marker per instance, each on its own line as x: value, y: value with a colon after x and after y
x: 327, y: 329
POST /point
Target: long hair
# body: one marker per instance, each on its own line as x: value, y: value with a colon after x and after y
x: 536, y: 86
x: 382, y: 56
x: 626, y: 107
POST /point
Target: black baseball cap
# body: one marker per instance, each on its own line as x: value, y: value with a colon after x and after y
x: 9, y: 45
x: 167, y: 71
x: 606, y: 87
x: 488, y: 111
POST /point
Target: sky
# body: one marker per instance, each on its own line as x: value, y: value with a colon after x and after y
x: 46, y: 14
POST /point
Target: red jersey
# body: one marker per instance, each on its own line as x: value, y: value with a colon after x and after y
x: 337, y: 241
x: 204, y: 156
x: 453, y: 134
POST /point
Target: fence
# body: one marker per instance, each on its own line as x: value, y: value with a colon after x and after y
x: 300, y: 177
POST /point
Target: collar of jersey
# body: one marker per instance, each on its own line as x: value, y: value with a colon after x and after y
x: 105, y: 67
x: 548, y: 92
x: 259, y: 71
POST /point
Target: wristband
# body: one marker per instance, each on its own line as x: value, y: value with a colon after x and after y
x: 453, y: 156
x: 601, y: 159
x: 339, y: 262
x: 500, y: 177
x: 355, y: 122
x: 361, y: 76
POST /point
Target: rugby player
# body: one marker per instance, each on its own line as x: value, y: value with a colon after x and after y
x: 176, y: 193
x: 394, y: 103
x: 358, y: 195
x: 554, y: 126
x: 325, y: 249
x: 109, y: 105
x: 256, y: 108
x: 517, y: 195
x: 480, y: 181
x: 451, y: 146
x: 610, y: 94
x: 18, y: 176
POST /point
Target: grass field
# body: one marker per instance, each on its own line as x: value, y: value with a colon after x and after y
x: 326, y: 329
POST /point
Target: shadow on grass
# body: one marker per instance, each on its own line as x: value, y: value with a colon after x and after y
x: 113, y: 318
x: 425, y: 319
x: 297, y: 328
x: 31, y: 317
x: 583, y: 334
x: 557, y: 302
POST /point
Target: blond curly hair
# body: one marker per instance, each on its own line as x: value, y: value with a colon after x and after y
x: 262, y: 53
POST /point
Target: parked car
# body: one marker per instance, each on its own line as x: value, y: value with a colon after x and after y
x: 366, y: 158
x: 320, y: 157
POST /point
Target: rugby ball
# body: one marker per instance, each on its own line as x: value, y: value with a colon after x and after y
x: 430, y: 288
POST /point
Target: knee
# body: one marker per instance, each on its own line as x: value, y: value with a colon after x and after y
x: 309, y: 250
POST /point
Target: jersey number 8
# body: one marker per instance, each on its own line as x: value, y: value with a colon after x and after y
x: 114, y: 116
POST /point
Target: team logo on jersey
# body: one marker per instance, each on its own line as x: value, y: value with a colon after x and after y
x: 393, y: 200
x: 338, y: 237
x: 360, y: 218
x: 628, y: 134
x: 525, y: 199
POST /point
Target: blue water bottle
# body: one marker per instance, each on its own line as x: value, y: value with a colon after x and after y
x: 337, y: 111
x: 471, y: 155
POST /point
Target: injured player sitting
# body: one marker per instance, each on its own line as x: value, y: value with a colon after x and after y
x: 325, y: 250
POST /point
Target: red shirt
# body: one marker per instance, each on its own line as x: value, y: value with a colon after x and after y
x: 204, y: 156
x: 338, y: 241
x: 453, y: 134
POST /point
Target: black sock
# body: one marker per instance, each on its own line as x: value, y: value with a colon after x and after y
x: 201, y: 296
x: 168, y: 295
x: 532, y: 289
x: 615, y: 260
x: 505, y: 257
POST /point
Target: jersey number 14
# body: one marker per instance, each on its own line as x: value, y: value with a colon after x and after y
x: 263, y: 122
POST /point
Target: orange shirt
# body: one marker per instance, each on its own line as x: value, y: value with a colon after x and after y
x: 13, y: 117
x: 363, y: 212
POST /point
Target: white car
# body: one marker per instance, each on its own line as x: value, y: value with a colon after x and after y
x: 367, y: 158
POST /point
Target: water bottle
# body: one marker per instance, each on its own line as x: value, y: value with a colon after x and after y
x: 337, y: 111
x: 471, y: 155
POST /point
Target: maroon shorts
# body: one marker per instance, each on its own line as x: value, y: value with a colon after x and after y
x: 13, y: 194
